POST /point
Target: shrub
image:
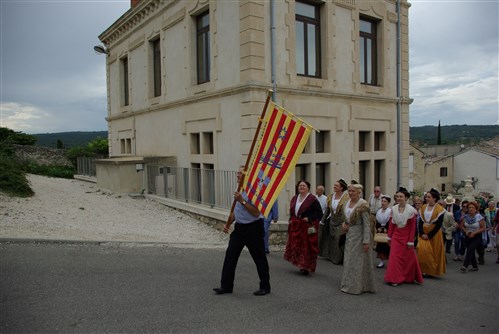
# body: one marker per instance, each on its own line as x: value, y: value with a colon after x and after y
x: 64, y: 172
x: 13, y: 179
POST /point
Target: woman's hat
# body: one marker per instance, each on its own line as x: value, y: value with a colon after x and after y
x: 449, y: 200
x: 343, y: 183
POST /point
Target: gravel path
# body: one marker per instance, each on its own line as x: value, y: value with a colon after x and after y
x: 63, y: 209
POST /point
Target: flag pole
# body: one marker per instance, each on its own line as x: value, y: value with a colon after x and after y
x: 250, y: 154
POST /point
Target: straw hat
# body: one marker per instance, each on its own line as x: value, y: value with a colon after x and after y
x: 449, y: 200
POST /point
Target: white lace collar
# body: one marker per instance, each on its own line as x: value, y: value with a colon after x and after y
x: 400, y: 219
x: 383, y: 217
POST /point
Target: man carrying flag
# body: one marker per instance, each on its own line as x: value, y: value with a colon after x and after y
x: 249, y: 232
x: 281, y: 138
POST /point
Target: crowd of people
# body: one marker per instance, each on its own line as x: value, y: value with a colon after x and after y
x: 410, y: 238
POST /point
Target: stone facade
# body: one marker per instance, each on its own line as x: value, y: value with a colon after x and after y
x: 211, y: 125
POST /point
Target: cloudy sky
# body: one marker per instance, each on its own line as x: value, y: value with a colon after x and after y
x: 53, y: 81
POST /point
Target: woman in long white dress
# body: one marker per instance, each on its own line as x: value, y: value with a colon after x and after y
x: 358, y: 276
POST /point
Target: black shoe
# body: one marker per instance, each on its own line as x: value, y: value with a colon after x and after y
x: 221, y: 291
x: 261, y: 292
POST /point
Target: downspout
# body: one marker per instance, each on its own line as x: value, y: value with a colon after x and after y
x: 272, y: 50
x: 399, y: 99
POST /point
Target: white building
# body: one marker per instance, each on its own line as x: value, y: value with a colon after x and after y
x: 187, y: 81
x: 481, y: 163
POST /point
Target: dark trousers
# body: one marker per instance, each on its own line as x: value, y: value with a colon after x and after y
x: 447, y: 243
x: 480, y: 250
x: 251, y: 236
x: 458, y: 242
x: 471, y: 246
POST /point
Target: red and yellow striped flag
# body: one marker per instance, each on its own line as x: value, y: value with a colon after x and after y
x: 281, y: 141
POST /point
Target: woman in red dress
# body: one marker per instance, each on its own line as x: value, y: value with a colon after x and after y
x: 403, y: 266
x: 302, y: 247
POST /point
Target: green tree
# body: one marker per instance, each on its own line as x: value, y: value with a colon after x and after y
x: 13, y: 179
x: 60, y: 144
x: 8, y: 136
x: 96, y: 148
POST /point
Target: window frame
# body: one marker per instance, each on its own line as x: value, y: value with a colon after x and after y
x: 364, y: 37
x: 316, y: 23
x: 203, y: 56
x: 125, y: 84
x: 156, y: 66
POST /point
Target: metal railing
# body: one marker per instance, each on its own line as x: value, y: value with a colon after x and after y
x: 86, y: 166
x: 214, y: 188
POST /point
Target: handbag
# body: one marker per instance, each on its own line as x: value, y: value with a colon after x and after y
x: 311, y: 230
x: 381, y: 238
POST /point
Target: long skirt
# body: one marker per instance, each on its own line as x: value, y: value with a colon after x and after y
x: 431, y: 253
x: 302, y: 248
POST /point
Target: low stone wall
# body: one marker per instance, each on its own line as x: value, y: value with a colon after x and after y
x: 217, y: 218
x: 42, y: 155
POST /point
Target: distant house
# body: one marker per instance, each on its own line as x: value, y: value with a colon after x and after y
x: 431, y: 168
x: 481, y: 163
x: 416, y: 170
x: 438, y: 172
x: 187, y: 80
x: 440, y: 150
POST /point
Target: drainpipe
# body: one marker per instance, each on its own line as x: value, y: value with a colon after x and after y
x: 399, y: 99
x: 272, y: 50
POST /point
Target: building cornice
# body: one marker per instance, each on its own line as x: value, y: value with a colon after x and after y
x: 131, y: 19
x: 238, y: 89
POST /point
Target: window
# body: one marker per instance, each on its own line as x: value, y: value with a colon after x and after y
x: 368, y: 59
x: 195, y: 182
x: 308, y: 40
x: 379, y: 141
x: 208, y: 143
x: 124, y: 87
x: 364, y: 137
x: 320, y: 174
x: 442, y: 188
x: 443, y: 171
x: 301, y: 173
x: 203, y: 47
x: 379, y: 172
x: 363, y: 173
x: 126, y: 146
x: 208, y: 181
x: 156, y: 64
x: 195, y: 143
x: 322, y: 141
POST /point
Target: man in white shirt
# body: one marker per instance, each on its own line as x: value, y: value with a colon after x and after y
x: 375, y: 200
x: 319, y: 193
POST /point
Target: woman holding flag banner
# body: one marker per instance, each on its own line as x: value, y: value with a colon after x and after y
x: 302, y: 247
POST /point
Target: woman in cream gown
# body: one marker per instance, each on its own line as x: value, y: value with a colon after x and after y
x: 358, y: 276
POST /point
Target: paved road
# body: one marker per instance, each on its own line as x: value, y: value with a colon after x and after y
x: 145, y: 288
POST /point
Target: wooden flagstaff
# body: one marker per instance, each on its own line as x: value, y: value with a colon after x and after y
x: 250, y: 154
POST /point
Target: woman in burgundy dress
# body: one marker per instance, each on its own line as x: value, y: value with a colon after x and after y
x: 403, y: 266
x: 302, y: 247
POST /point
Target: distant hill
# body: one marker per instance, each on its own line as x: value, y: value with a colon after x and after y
x: 69, y: 139
x: 453, y: 134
